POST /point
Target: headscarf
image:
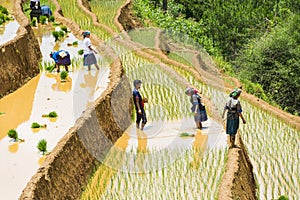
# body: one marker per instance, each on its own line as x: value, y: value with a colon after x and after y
x: 85, y: 33
x: 189, y: 91
x: 235, y: 92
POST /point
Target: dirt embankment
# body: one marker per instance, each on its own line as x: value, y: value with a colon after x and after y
x: 68, y: 167
x: 20, y: 56
x: 238, y: 181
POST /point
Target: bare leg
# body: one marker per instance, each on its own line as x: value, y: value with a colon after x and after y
x: 89, y: 68
x: 57, y: 68
x: 137, y: 125
x: 143, y: 125
x: 96, y: 65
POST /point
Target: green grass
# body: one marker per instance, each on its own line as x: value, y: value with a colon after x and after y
x: 193, y: 175
x: 72, y: 11
x: 13, y: 134
x: 63, y: 75
x: 144, y: 36
x: 106, y: 11
x: 37, y: 125
x: 42, y: 146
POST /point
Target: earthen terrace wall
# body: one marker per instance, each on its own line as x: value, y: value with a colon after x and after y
x: 20, y: 56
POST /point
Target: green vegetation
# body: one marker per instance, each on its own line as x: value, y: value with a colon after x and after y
x: 75, y: 43
x: 80, y: 52
x: 13, y: 134
x: 2, y: 113
x: 42, y: 146
x: 43, y: 19
x: 4, y: 15
x: 33, y: 22
x: 256, y: 41
x: 51, y: 18
x: 282, y: 197
x: 63, y: 75
x: 37, y: 125
x: 187, y: 135
x: 52, y: 114
x: 273, y: 62
x: 58, y: 34
x: 64, y: 29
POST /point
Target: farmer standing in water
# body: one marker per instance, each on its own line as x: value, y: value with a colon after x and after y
x: 197, y: 108
x: 89, y: 57
x: 234, y: 112
x: 139, y: 105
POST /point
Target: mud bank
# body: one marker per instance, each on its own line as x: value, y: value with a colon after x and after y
x: 19, y: 56
x: 238, y: 180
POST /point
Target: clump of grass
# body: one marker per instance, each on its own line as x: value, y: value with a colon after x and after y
x: 37, y: 125
x: 3, y: 15
x: 42, y: 146
x: 13, y: 134
x: 50, y: 68
x: 186, y: 135
x: 283, y: 197
x: 52, y: 114
x: 64, y: 28
x: 52, y: 18
x: 2, y: 113
x: 75, y: 43
x: 43, y: 19
x: 80, y: 52
x: 55, y: 35
x: 61, y: 33
x: 33, y: 22
x: 63, y: 75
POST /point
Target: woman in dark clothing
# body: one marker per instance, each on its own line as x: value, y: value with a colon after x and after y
x: 197, y: 108
x: 234, y: 112
x: 139, y: 105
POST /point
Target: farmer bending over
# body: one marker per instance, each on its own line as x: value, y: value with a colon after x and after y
x: 61, y: 57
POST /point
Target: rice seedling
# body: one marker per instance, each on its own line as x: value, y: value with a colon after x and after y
x: 2, y: 113
x: 80, y: 52
x: 52, y: 114
x: 37, y: 125
x: 63, y: 75
x: 56, y: 35
x: 75, y: 43
x: 14, y: 135
x: 43, y: 19
x: 64, y: 29
x: 52, y: 18
x: 42, y: 146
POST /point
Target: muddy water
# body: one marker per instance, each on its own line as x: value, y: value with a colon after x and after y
x: 43, y: 94
x: 8, y: 31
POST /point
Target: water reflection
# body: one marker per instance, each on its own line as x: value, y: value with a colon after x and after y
x: 8, y: 31
x: 17, y: 106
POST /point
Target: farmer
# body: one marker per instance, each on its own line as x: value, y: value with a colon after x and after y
x: 139, y: 105
x: 61, y: 57
x: 46, y: 11
x: 89, y: 57
x: 197, y: 108
x: 234, y: 112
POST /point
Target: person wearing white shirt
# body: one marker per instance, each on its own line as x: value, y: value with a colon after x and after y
x: 88, y: 51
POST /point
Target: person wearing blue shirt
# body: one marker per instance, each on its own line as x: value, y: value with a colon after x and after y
x: 61, y: 58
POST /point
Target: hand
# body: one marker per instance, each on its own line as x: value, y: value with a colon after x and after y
x: 195, y: 113
x: 244, y: 121
x: 140, y: 112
